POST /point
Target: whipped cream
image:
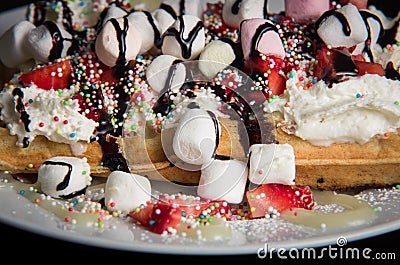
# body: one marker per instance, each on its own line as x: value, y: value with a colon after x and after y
x: 59, y: 119
x: 348, y: 112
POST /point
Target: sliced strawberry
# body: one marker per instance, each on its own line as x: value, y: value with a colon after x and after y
x: 269, y: 72
x: 276, y: 82
x: 332, y: 64
x: 278, y: 197
x: 52, y: 76
x: 369, y: 68
x: 360, y: 4
x: 168, y: 212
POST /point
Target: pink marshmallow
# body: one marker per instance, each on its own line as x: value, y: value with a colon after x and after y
x: 305, y: 10
x: 259, y: 35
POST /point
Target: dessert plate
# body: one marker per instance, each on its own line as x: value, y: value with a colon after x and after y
x: 248, y: 237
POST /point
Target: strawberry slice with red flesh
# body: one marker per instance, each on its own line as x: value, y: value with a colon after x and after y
x: 267, y: 197
x: 167, y: 214
x: 369, y: 68
x: 332, y: 64
x: 271, y: 70
x: 52, y: 76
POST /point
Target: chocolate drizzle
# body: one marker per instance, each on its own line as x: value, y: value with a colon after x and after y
x: 185, y: 43
x: 20, y: 108
x: 342, y: 19
x: 236, y: 7
x: 216, y: 126
x: 63, y: 184
x: 367, y: 47
x: 121, y: 63
x: 66, y: 181
x: 58, y: 41
x: 169, y: 10
x: 260, y: 31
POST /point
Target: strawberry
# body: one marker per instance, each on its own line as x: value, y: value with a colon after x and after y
x: 269, y: 71
x: 52, y: 76
x: 369, y: 68
x: 278, y: 197
x: 332, y: 64
x: 360, y: 4
x: 168, y: 212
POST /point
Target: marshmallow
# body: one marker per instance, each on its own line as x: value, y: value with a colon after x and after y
x: 112, y: 11
x: 259, y: 35
x: 375, y: 31
x: 148, y: 27
x: 169, y: 11
x: 306, y: 10
x: 126, y: 191
x: 234, y: 12
x: 166, y: 73
x: 50, y: 41
x: 64, y: 177
x: 196, y: 137
x: 342, y: 27
x: 117, y: 42
x: 219, y: 54
x: 185, y: 39
x: 14, y: 49
x: 272, y: 163
x: 223, y: 180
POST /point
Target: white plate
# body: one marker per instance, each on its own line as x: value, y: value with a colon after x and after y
x: 249, y: 236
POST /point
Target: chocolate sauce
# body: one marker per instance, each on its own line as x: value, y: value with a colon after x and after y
x: 156, y: 31
x: 20, y: 108
x: 38, y: 13
x: 260, y: 31
x: 58, y: 41
x: 236, y: 7
x: 216, y: 127
x: 63, y: 184
x: 104, y: 13
x: 112, y: 156
x: 367, y: 47
x: 167, y: 8
x: 222, y: 157
x: 185, y: 43
x: 121, y: 37
x: 342, y: 19
x: 391, y: 72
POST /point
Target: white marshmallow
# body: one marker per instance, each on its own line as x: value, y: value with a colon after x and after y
x: 164, y: 19
x: 126, y: 191
x: 185, y: 39
x: 112, y: 11
x: 148, y: 27
x: 332, y: 31
x: 196, y: 137
x: 14, y: 49
x: 258, y: 35
x: 223, y: 180
x: 215, y: 57
x: 234, y: 14
x: 272, y: 163
x: 108, y: 40
x: 47, y: 38
x: 166, y: 72
x: 171, y: 9
x: 375, y: 28
x: 64, y: 177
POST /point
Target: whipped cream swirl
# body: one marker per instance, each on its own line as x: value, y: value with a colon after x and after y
x: 352, y: 111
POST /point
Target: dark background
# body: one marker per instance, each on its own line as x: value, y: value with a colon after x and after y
x: 32, y: 247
